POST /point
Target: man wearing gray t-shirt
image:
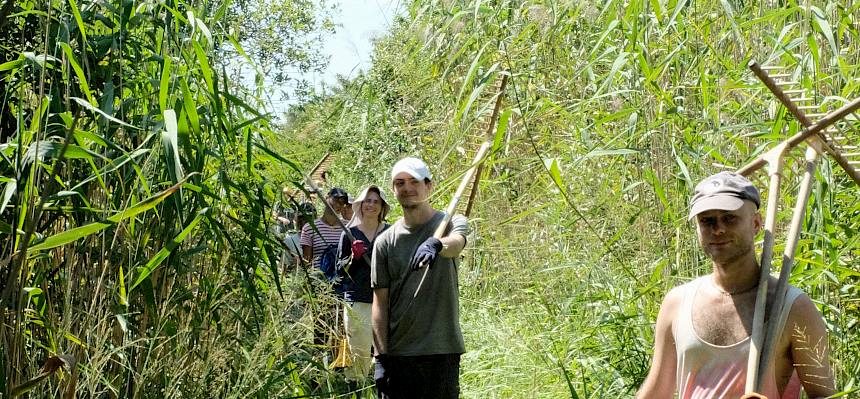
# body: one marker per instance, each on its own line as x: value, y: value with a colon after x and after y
x: 417, y: 339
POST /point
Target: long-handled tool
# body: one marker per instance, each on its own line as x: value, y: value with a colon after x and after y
x: 764, y: 339
x: 467, y: 178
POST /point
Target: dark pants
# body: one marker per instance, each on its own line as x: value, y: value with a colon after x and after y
x: 418, y: 377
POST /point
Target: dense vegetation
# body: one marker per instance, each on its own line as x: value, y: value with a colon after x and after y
x: 136, y: 257
x: 140, y: 174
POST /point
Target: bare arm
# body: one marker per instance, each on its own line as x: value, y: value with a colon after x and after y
x: 379, y: 320
x: 660, y: 382
x: 307, y: 253
x: 306, y: 244
x: 452, y: 245
x: 810, y: 351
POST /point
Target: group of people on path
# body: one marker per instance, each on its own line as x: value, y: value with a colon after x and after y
x: 703, y: 329
x: 415, y: 340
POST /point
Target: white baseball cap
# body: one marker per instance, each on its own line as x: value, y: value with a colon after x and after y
x: 414, y: 167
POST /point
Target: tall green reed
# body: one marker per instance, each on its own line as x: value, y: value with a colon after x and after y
x: 135, y: 206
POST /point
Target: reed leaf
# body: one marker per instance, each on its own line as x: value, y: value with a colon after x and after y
x: 93, y: 108
x: 82, y: 78
x: 78, y: 20
x: 170, y: 141
x: 161, y: 256
x: 77, y: 233
x: 165, y: 83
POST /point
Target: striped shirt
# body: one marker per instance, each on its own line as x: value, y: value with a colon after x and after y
x: 319, y: 241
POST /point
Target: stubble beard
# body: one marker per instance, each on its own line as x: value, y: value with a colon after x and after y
x: 410, y: 206
x: 732, y: 255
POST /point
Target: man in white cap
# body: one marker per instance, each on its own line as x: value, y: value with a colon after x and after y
x: 702, y: 337
x: 417, y: 339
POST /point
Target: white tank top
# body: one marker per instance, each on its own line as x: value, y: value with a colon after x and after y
x: 708, y: 371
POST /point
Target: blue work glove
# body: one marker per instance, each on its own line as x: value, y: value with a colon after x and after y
x: 426, y: 253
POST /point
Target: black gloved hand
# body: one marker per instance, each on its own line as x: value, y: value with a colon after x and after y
x: 426, y: 253
x: 380, y: 374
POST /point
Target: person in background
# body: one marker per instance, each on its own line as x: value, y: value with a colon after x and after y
x: 316, y: 238
x: 281, y: 218
x: 702, y: 338
x: 370, y: 209
x: 417, y: 339
x: 327, y: 233
x: 292, y: 255
x: 347, y: 212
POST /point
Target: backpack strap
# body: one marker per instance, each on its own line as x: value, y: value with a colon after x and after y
x: 342, y: 263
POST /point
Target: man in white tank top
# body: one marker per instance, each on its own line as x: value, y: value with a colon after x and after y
x: 703, y: 329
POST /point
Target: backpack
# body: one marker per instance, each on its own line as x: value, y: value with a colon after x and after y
x: 331, y: 265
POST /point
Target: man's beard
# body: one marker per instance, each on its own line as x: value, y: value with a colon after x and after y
x: 411, y: 206
x: 738, y: 251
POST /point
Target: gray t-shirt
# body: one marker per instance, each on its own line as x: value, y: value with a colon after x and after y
x: 429, y: 325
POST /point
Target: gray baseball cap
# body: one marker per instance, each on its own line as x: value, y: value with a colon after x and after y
x: 725, y: 191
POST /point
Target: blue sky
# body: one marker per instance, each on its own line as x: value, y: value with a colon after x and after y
x: 350, y: 47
